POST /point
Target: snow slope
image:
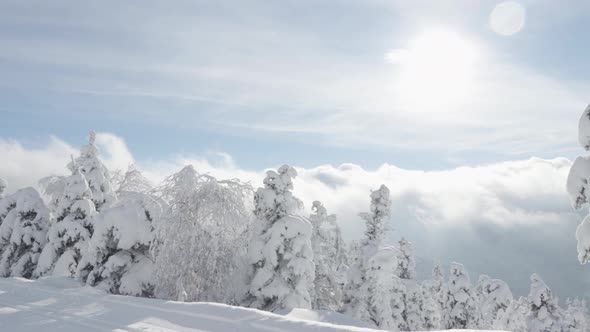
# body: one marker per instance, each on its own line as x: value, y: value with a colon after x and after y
x: 61, y: 304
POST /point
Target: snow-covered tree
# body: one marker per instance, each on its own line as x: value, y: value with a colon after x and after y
x: 513, y: 318
x: 3, y: 186
x: 95, y: 172
x: 23, y: 234
x: 578, y: 186
x: 356, y: 291
x: 208, y: 219
x: 494, y: 295
x: 385, y: 301
x: 412, y: 297
x: 132, y: 180
x: 353, y: 253
x: 545, y: 314
x: 437, y: 287
x: 430, y: 310
x: 118, y: 256
x: 575, y: 317
x: 69, y: 233
x: 376, y: 221
x: 281, y: 254
x: 327, y: 245
x: 6, y: 204
x: 461, y: 299
x: 406, y: 262
x: 413, y: 303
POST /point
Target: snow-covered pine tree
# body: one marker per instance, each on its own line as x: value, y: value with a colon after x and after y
x: 356, y: 291
x: 575, y: 317
x: 353, y: 253
x: 118, y: 256
x: 494, y: 295
x: 545, y: 314
x: 72, y: 228
x: 461, y: 299
x: 437, y: 289
x: 3, y: 186
x: 406, y: 262
x: 385, y: 300
x: 327, y: 245
x: 23, y: 234
x: 578, y: 186
x: 430, y: 310
x: 513, y: 318
x: 6, y: 204
x: 281, y: 254
x: 95, y: 172
x: 412, y: 296
x: 376, y: 221
x: 208, y: 219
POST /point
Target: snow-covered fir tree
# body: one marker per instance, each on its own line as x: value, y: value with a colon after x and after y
x: 438, y: 289
x: 281, y: 254
x: 430, y: 310
x: 328, y: 251
x: 118, y: 256
x: 406, y: 262
x: 513, y: 318
x: 413, y: 302
x: 6, y: 204
x: 385, y: 301
x: 95, y: 172
x: 545, y: 314
x: 376, y: 221
x: 578, y: 186
x: 353, y: 253
x: 412, y: 296
x: 70, y: 231
x: 575, y: 317
x: 208, y: 219
x: 461, y: 299
x: 494, y: 295
x: 3, y: 186
x: 356, y: 291
x: 23, y: 233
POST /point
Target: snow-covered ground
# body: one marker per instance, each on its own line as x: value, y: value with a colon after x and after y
x: 61, y: 304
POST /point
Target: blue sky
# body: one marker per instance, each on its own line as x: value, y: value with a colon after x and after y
x: 304, y: 82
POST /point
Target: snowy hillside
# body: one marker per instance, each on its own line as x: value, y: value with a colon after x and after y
x: 60, y: 304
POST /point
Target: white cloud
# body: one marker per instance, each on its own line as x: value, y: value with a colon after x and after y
x: 505, y: 194
x: 115, y: 153
x: 22, y: 166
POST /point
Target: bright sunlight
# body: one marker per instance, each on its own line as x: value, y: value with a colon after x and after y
x: 439, y: 64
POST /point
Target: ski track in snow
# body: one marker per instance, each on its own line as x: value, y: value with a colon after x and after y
x: 61, y: 304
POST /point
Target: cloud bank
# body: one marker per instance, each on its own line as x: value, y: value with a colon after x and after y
x: 507, y: 219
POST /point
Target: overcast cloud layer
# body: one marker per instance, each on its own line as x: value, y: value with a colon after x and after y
x: 507, y: 220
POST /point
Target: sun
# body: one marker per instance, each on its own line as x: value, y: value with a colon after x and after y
x: 437, y: 69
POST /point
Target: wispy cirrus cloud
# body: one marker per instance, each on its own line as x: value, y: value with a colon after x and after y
x: 254, y: 70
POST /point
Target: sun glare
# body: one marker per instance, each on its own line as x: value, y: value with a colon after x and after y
x: 436, y: 69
